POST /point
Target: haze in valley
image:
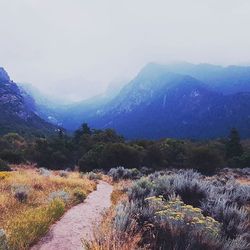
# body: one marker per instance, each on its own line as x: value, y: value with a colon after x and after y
x: 74, y: 50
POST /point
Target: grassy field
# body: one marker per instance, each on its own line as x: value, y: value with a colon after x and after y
x: 31, y: 200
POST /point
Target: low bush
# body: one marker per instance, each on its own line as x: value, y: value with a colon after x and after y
x: 61, y: 194
x: 79, y: 195
x: 171, y: 224
x: 235, y: 221
x: 141, y: 189
x: 44, y: 172
x: 188, y: 184
x: 21, y: 192
x: 121, y: 173
x: 145, y: 170
x: 180, y: 226
x: 64, y: 173
x: 224, y: 200
x: 235, y: 193
x: 94, y: 176
x: 191, y: 191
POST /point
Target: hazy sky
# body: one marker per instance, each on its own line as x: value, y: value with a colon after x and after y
x: 75, y: 48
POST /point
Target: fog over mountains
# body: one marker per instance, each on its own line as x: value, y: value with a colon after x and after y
x: 177, y: 100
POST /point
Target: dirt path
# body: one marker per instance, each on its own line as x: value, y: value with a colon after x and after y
x: 78, y: 222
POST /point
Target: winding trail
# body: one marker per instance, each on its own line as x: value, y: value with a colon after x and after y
x: 77, y: 223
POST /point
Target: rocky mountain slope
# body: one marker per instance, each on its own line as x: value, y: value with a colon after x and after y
x: 17, y: 110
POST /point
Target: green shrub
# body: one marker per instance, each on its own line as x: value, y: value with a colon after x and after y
x: 4, y: 166
x: 204, y: 160
x: 141, y: 189
x: 79, y: 195
x: 13, y: 157
x: 91, y: 159
x: 120, y: 154
x: 242, y: 161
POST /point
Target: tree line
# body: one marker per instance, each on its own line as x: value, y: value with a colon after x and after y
x: 89, y: 149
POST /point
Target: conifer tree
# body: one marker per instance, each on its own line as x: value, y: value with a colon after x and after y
x: 233, y: 146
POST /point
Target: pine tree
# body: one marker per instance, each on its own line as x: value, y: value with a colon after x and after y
x: 86, y: 129
x: 233, y: 146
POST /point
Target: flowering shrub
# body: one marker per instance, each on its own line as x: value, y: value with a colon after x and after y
x: 177, y: 225
x: 192, y: 216
x: 175, y: 211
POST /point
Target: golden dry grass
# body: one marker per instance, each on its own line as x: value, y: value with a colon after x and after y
x: 105, y: 237
x: 16, y: 217
x: 243, y: 181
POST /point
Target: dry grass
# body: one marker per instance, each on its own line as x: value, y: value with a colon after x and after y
x: 105, y: 237
x: 119, y: 193
x: 243, y: 181
x: 16, y: 216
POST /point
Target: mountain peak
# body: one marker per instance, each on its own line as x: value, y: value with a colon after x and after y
x: 4, y: 77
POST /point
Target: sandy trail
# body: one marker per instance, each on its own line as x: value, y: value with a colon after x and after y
x: 77, y: 223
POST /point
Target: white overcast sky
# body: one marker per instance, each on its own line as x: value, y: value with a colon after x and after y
x: 75, y: 48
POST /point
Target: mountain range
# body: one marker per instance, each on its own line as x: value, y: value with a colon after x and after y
x: 179, y: 100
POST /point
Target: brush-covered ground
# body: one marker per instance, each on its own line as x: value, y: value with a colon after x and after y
x: 31, y: 200
x: 164, y: 207
x: 176, y: 210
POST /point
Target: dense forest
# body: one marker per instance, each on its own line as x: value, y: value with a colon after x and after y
x: 89, y: 149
